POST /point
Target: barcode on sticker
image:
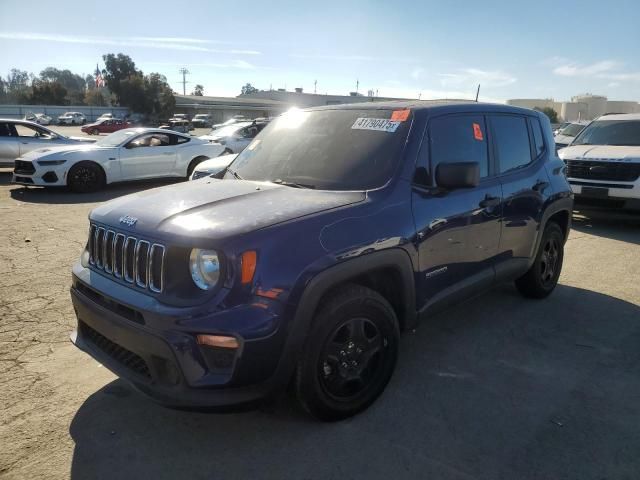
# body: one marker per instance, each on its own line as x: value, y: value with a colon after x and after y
x: 377, y: 124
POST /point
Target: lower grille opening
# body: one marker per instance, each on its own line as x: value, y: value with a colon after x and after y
x: 115, y: 307
x: 120, y: 354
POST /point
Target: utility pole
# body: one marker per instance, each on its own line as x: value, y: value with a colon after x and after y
x: 357, y: 85
x: 315, y: 86
x: 184, y: 73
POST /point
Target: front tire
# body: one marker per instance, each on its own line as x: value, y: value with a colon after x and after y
x: 85, y: 177
x: 95, y: 131
x: 541, y: 279
x: 349, y: 356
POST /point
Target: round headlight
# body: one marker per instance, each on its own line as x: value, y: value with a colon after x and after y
x: 205, y: 268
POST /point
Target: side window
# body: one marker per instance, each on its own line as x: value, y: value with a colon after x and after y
x: 459, y: 138
x: 511, y: 140
x: 177, y: 139
x: 538, y: 138
x: 28, y: 131
x: 5, y: 130
x: 151, y: 140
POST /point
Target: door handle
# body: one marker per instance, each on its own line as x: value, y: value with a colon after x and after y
x: 490, y: 201
x: 437, y: 222
x: 540, y: 185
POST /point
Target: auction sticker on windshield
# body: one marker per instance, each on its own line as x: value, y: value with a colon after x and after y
x: 377, y: 124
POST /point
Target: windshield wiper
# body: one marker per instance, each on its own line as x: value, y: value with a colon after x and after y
x: 238, y: 177
x: 279, y: 181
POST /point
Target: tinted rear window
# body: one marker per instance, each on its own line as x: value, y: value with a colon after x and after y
x: 326, y: 149
x: 610, y: 132
x: 511, y: 138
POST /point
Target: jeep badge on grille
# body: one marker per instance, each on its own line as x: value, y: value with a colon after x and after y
x: 128, y: 221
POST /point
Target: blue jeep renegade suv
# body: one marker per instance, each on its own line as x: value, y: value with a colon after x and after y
x: 331, y: 233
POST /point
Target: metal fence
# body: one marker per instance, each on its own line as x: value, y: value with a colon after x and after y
x: 92, y: 113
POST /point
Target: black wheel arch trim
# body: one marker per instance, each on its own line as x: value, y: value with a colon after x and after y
x: 557, y: 205
x: 321, y: 283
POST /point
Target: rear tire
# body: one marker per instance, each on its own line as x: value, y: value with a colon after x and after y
x: 349, y: 356
x: 541, y: 279
x: 85, y: 177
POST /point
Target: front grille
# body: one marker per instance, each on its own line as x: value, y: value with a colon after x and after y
x: 120, y: 354
x: 23, y: 168
x: 595, y: 170
x: 134, y: 260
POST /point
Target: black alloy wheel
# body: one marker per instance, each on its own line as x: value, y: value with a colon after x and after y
x: 85, y: 177
x: 350, y: 353
x: 352, y: 358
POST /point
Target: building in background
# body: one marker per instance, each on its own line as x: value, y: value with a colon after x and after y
x: 264, y: 103
x: 581, y: 107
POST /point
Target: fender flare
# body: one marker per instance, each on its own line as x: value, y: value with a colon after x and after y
x: 564, y: 204
x: 322, y: 282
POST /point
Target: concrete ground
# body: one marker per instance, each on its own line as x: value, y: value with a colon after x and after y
x: 497, y: 388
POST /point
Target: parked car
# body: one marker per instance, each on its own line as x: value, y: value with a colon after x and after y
x: 39, y: 118
x: 105, y: 116
x: 179, y: 117
x: 130, y: 154
x: 231, y: 121
x: 182, y: 126
x: 559, y: 127
x: 215, y: 167
x: 107, y: 125
x: 568, y: 133
x: 201, y: 120
x: 18, y: 137
x: 237, y: 136
x: 72, y: 118
x: 603, y: 161
x: 336, y: 230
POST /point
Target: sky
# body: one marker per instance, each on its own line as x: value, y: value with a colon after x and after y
x: 410, y: 49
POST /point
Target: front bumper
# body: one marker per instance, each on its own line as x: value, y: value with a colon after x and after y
x: 628, y: 192
x: 37, y: 175
x: 154, y: 346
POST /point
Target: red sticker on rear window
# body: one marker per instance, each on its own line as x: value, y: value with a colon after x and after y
x: 400, y: 115
x: 477, y: 132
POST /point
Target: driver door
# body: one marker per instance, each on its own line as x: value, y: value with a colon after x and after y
x: 149, y: 155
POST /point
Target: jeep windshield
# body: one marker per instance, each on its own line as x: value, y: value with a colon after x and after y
x: 326, y: 149
x: 610, y: 132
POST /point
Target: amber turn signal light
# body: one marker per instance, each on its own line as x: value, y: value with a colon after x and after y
x: 248, y: 266
x: 219, y: 341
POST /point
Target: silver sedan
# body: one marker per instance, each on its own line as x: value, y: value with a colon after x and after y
x: 18, y: 137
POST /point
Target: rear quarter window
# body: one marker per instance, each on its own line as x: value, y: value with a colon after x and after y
x: 538, y: 137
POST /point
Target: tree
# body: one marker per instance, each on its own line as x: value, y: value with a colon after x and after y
x: 118, y: 69
x: 95, y: 97
x: 549, y: 112
x: 47, y: 93
x: 18, y: 86
x: 198, y: 90
x: 247, y: 89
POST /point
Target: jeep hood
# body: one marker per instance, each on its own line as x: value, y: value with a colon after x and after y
x: 600, y: 152
x: 216, y: 209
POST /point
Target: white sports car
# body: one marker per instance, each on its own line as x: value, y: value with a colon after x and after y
x: 130, y: 154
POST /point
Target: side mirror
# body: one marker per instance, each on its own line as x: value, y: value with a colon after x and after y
x: 458, y: 175
x: 131, y: 145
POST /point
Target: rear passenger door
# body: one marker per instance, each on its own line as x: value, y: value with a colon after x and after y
x: 458, y: 230
x: 520, y: 150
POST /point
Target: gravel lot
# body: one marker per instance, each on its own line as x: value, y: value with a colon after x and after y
x: 497, y: 388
